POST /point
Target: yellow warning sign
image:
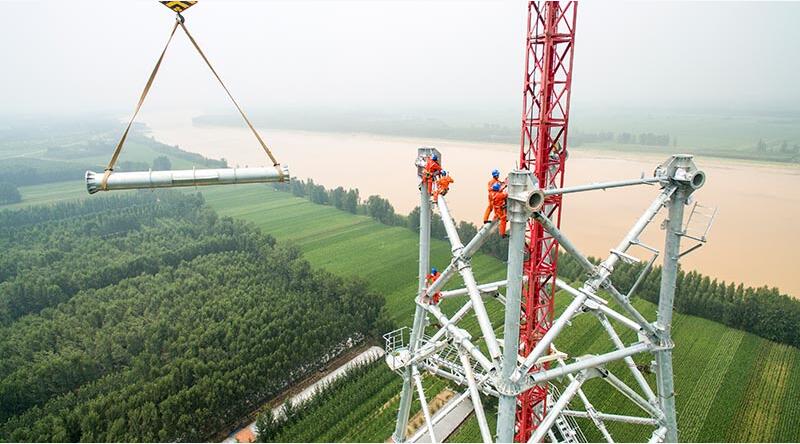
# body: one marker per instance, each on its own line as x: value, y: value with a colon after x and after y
x: 179, y: 6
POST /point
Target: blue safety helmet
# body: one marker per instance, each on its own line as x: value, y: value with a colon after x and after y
x: 434, y: 270
x: 435, y: 157
x: 495, y: 173
x: 443, y: 172
x: 496, y: 187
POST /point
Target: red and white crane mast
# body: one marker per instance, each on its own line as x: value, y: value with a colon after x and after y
x: 543, y: 150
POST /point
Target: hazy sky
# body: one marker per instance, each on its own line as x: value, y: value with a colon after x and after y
x: 85, y: 56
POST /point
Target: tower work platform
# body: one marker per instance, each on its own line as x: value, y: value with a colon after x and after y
x: 441, y: 343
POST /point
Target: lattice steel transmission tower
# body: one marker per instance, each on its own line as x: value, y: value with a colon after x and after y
x: 442, y: 344
x: 535, y: 382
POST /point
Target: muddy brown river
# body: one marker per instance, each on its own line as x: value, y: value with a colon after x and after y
x: 754, y: 239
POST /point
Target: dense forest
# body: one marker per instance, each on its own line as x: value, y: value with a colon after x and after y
x: 763, y: 311
x: 23, y: 171
x: 148, y: 318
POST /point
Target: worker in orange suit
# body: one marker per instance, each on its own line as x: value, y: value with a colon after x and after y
x: 499, y: 206
x: 430, y: 172
x: 442, y: 185
x: 430, y: 279
x: 488, y: 212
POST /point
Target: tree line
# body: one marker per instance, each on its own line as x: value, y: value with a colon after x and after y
x: 763, y: 311
x: 178, y: 351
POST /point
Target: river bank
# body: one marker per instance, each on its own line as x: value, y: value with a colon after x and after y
x: 752, y: 241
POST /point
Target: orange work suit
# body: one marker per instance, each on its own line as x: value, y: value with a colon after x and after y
x: 429, y: 173
x: 488, y: 211
x: 429, y: 280
x: 499, y: 207
x: 442, y: 187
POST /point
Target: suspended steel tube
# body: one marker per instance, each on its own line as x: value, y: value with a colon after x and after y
x: 184, y: 178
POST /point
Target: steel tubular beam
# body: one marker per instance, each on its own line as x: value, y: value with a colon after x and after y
x: 507, y: 405
x: 544, y: 344
x: 589, y: 267
x: 449, y: 226
x: 601, y: 186
x: 610, y: 417
x: 490, y: 287
x: 592, y: 413
x: 564, y: 241
x: 583, y: 364
x: 423, y: 403
x: 478, y: 240
x: 184, y: 178
x: 619, y: 317
x: 465, y: 255
x: 458, y: 379
x: 419, y: 313
x: 637, y: 375
x: 476, y: 399
x: 453, y: 320
x: 441, y: 414
x: 465, y: 270
x: 639, y: 226
x: 461, y: 338
x: 631, y: 394
x: 601, y: 307
x: 558, y: 407
x: 669, y: 274
x: 480, y: 313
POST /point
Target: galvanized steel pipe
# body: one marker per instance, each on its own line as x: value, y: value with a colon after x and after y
x: 184, y: 178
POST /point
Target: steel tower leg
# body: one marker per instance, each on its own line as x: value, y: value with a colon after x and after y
x: 518, y: 218
x: 669, y: 275
x: 420, y: 315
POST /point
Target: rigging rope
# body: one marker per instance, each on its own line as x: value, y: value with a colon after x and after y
x: 180, y: 22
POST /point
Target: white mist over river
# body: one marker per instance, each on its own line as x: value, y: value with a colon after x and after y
x: 754, y: 240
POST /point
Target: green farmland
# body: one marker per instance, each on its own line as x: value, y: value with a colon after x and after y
x: 731, y: 385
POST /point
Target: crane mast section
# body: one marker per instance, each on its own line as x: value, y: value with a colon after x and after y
x: 543, y: 150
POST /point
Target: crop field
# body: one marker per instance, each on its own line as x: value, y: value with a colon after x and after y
x: 730, y: 385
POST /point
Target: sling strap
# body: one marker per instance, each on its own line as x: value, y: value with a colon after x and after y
x: 149, y: 84
x: 252, y: 128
